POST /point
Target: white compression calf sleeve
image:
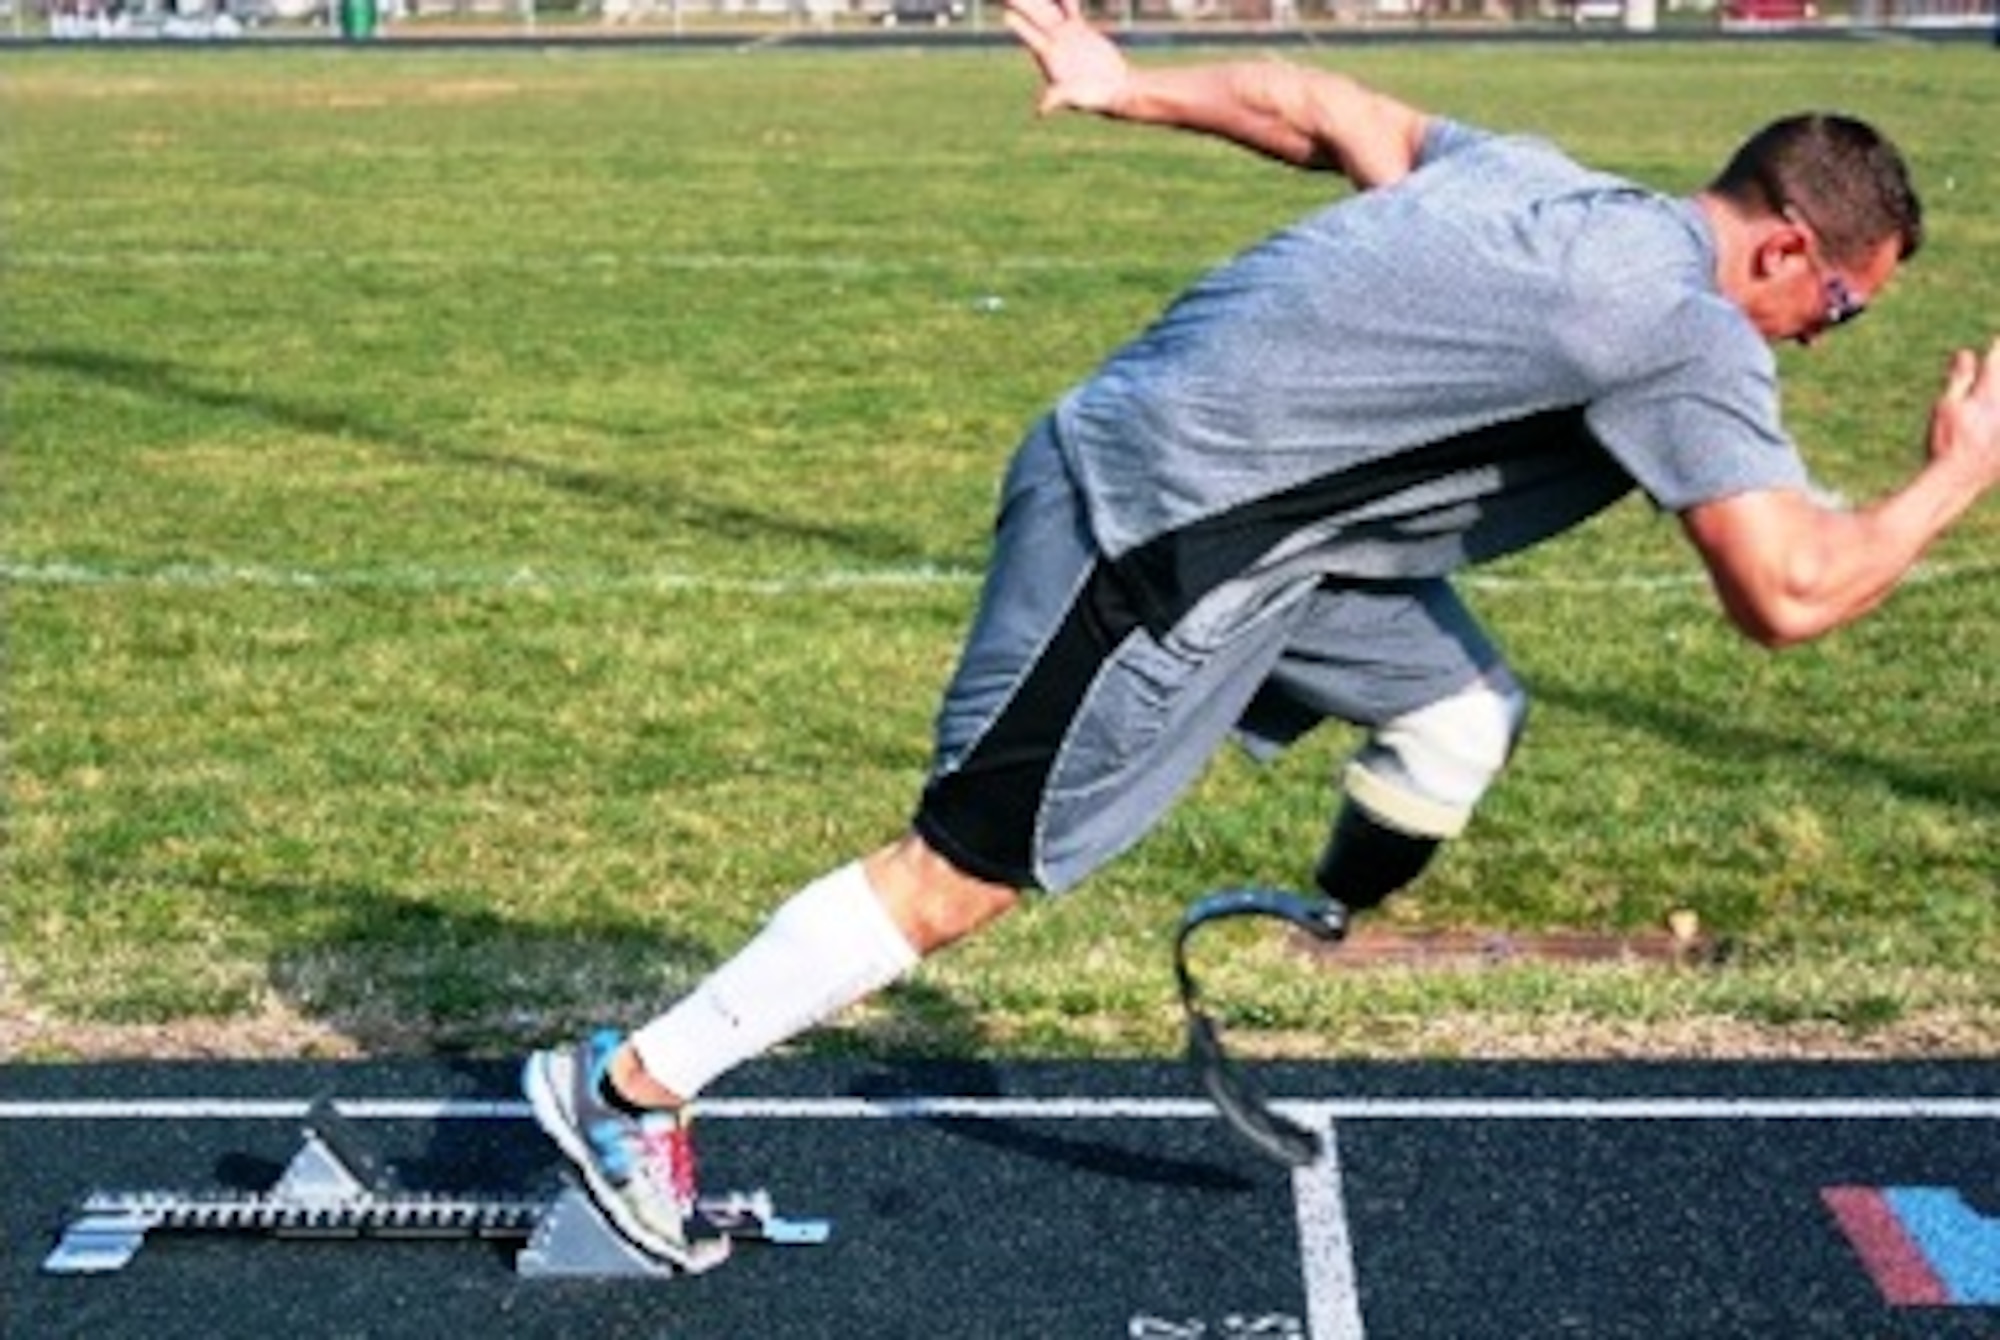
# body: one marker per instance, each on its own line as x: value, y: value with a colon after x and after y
x: 829, y: 946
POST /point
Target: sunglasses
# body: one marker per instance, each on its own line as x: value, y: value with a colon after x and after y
x: 1842, y: 306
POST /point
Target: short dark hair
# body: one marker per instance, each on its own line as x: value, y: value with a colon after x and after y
x: 1841, y: 175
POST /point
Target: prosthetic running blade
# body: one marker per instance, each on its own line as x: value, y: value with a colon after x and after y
x: 1246, y: 1111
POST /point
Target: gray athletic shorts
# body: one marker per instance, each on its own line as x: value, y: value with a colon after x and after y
x: 1073, y: 721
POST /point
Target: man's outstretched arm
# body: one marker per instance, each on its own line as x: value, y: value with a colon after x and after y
x: 1788, y: 569
x: 1308, y: 118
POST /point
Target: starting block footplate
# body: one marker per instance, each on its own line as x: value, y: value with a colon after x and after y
x: 335, y: 1188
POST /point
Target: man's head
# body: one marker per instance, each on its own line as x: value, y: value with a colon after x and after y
x: 1828, y: 211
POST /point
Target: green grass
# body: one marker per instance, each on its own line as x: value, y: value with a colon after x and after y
x: 480, y: 527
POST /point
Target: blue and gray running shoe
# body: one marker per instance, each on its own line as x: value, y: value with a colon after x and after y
x: 639, y: 1170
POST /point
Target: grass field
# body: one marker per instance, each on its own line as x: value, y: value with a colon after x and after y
x: 481, y: 526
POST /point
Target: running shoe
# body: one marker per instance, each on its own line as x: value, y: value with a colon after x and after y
x: 640, y: 1170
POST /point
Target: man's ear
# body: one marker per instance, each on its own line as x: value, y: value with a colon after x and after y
x: 1783, y: 245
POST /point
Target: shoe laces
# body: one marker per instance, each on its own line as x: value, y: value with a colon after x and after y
x: 667, y: 1154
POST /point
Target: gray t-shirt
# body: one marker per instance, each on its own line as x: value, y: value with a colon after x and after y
x: 1427, y: 375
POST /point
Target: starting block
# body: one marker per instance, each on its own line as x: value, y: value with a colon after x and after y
x: 336, y: 1188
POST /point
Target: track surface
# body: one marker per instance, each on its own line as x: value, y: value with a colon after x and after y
x: 1083, y: 1201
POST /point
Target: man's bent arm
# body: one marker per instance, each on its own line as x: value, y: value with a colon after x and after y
x: 1308, y: 118
x: 1788, y: 569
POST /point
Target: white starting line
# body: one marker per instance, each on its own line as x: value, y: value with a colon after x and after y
x: 1309, y: 1111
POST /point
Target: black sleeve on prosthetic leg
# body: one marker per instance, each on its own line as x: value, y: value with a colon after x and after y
x: 1366, y: 860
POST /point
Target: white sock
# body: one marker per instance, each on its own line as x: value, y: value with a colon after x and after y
x: 830, y: 945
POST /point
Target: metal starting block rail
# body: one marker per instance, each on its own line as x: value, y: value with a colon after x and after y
x: 336, y: 1188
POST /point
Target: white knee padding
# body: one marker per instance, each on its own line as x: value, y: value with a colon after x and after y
x: 1423, y: 772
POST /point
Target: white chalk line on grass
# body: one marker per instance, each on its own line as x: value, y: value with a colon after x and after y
x: 833, y: 263
x: 1315, y: 1112
x: 189, y: 576
x: 57, y: 572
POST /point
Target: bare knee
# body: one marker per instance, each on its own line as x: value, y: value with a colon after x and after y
x: 931, y: 900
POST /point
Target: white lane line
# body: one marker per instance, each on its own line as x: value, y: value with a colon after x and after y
x: 61, y: 572
x: 1659, y: 1109
x: 569, y: 262
x: 201, y: 577
x: 1326, y: 1251
x: 1312, y: 1112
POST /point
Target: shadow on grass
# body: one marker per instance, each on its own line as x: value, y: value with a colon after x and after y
x: 663, y: 509
x: 402, y: 975
x: 1689, y: 728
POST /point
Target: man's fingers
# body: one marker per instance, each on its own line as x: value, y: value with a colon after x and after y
x: 1031, y: 36
x: 1960, y: 374
x: 1038, y: 15
x: 1050, y: 12
x: 1034, y: 22
x: 1038, y: 44
x: 1973, y: 374
x: 1049, y: 30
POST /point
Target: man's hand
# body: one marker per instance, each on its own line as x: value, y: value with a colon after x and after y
x: 1081, y: 68
x: 1788, y: 569
x: 1305, y: 117
x: 1965, y: 421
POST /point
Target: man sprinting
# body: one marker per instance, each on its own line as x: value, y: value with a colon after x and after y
x: 1246, y: 522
